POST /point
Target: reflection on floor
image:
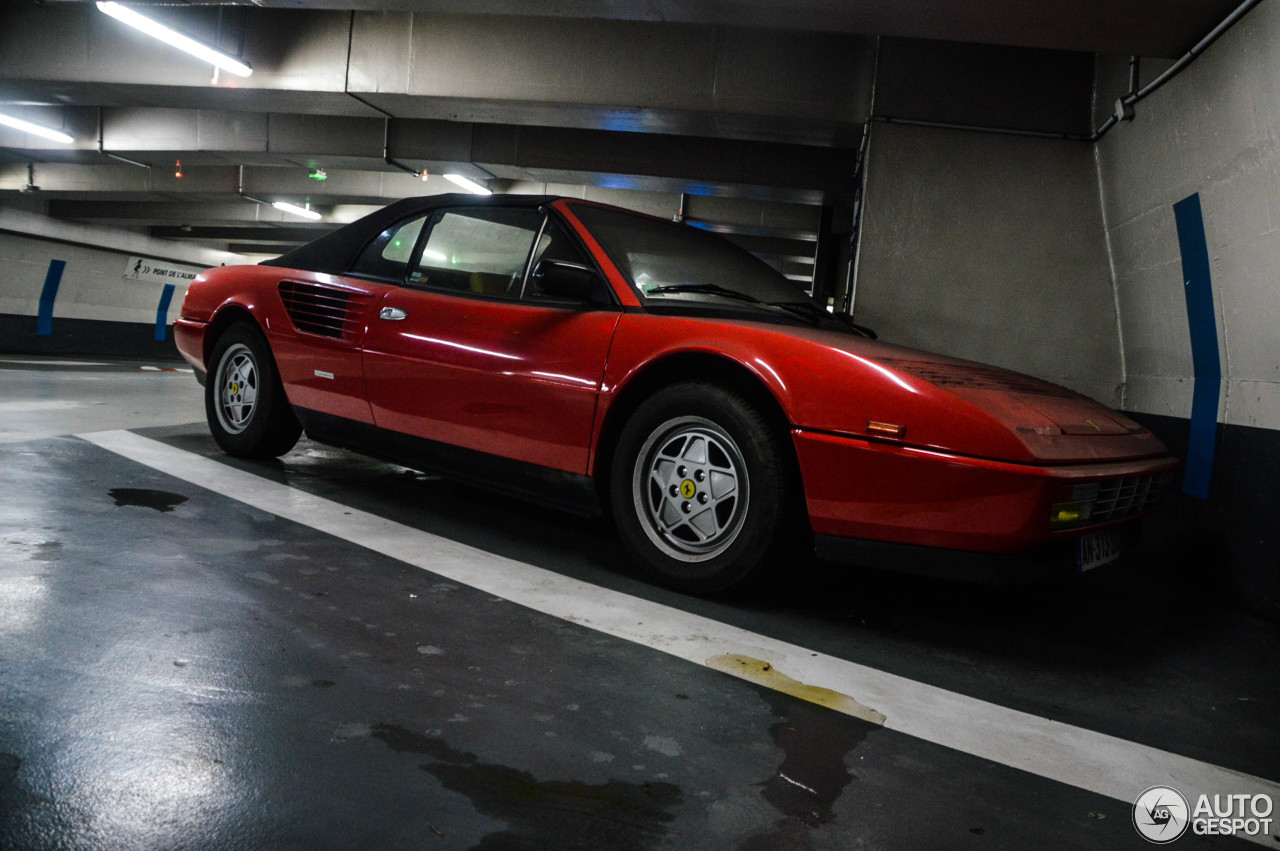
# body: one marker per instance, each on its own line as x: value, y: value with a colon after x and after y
x: 181, y: 669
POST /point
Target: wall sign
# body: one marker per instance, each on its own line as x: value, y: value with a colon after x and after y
x: 158, y: 272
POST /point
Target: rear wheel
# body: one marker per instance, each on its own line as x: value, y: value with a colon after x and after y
x: 244, y: 400
x: 698, y: 488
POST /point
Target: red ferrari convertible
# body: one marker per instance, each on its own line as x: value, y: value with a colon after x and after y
x: 606, y: 361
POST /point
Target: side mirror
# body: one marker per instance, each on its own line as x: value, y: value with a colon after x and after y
x: 572, y: 281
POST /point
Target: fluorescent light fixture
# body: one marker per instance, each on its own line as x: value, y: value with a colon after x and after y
x: 35, y: 129
x: 469, y: 185
x: 433, y: 255
x: 296, y: 210
x: 172, y: 37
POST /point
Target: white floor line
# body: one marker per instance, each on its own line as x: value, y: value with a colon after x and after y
x: 1082, y: 758
x: 53, y: 362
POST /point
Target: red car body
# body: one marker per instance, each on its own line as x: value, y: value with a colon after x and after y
x: 893, y: 446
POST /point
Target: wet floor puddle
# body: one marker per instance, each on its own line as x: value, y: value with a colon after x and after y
x: 161, y: 501
x: 762, y: 673
x: 617, y: 815
x: 815, y: 743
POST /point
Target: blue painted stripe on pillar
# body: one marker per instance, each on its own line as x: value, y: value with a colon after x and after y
x: 52, y: 280
x: 162, y: 313
x: 1203, y: 323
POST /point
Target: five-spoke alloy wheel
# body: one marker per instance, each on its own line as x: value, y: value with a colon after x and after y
x: 236, y: 386
x: 692, y: 482
x: 244, y: 400
x: 698, y: 487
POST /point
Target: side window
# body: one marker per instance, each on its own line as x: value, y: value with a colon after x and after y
x: 388, y: 255
x: 556, y: 245
x: 482, y: 251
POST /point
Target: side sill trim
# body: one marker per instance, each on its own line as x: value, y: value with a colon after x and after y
x: 555, y: 488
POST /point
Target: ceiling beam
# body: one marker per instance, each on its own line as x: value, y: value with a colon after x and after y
x: 352, y: 155
x: 277, y: 233
x: 701, y: 79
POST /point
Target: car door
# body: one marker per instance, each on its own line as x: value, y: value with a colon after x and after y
x: 467, y: 354
x: 319, y: 352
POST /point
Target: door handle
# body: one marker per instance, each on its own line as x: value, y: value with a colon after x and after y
x: 392, y: 313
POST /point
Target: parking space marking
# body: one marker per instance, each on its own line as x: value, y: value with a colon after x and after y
x: 1086, y: 759
x: 52, y: 362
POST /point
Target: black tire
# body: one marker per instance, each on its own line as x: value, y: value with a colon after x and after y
x: 244, y: 401
x: 698, y: 488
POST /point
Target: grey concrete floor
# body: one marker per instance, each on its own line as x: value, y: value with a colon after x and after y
x: 46, y: 396
x: 180, y: 670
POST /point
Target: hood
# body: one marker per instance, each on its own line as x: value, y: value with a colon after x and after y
x: 992, y: 387
x: 970, y: 408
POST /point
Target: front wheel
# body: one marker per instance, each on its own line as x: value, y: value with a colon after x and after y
x: 699, y: 487
x: 244, y: 400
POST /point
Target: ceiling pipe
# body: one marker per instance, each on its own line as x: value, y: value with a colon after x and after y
x: 386, y: 135
x: 1217, y: 32
x: 386, y: 144
x: 1124, y: 106
x: 240, y: 190
x: 1001, y: 131
x: 861, y: 158
x: 106, y: 153
x: 386, y: 151
x: 294, y: 209
x: 31, y: 180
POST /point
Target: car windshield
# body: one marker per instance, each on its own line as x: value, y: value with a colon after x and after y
x: 668, y: 262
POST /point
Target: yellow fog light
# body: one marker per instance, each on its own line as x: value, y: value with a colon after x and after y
x: 1066, y: 515
x: 1075, y: 507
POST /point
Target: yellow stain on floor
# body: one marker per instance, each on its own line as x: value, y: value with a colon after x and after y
x: 763, y: 673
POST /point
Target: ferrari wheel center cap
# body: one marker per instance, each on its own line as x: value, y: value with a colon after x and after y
x: 688, y: 489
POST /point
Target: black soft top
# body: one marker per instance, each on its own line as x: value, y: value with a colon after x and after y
x: 335, y: 253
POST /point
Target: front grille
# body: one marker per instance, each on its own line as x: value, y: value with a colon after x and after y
x: 325, y: 311
x: 1125, y: 497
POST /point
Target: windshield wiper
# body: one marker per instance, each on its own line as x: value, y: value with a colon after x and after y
x: 815, y: 312
x: 803, y: 308
x: 709, y: 289
x: 716, y: 289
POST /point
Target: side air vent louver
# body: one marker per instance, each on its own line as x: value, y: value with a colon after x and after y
x: 326, y: 311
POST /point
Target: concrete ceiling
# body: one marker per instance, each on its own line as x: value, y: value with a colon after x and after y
x: 754, y: 110
x: 1164, y: 28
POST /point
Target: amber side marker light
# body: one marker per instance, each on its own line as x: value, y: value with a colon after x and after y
x: 885, y: 429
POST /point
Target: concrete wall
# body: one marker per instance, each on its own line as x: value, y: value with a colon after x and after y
x: 95, y: 309
x: 1214, y: 131
x: 990, y: 248
x: 1062, y: 259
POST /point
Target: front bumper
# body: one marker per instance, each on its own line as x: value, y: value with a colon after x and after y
x: 885, y: 492
x: 1046, y: 561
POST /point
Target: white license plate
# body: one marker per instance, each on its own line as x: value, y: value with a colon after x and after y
x: 1097, y: 548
